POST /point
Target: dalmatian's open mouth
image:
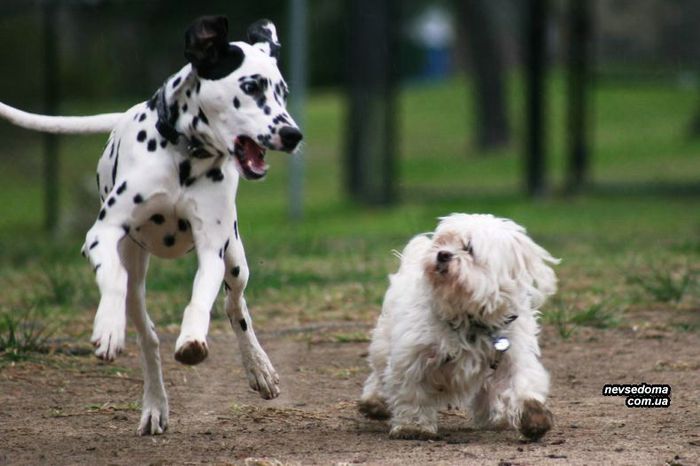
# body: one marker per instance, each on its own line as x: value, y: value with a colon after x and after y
x: 250, y: 157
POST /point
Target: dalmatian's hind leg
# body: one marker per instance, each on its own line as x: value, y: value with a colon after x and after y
x: 101, y: 249
x: 261, y: 374
x: 154, y: 410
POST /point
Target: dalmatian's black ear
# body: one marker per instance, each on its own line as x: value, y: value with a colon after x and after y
x: 263, y: 35
x: 208, y: 50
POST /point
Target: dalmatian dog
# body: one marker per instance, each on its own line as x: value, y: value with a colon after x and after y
x: 167, y: 181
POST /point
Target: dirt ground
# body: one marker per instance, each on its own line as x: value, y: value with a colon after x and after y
x: 74, y: 410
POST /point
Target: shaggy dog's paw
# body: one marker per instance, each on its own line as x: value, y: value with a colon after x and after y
x: 374, y: 408
x: 262, y: 376
x: 154, y: 416
x: 535, y: 420
x: 413, y: 432
x: 108, y: 337
x: 191, y: 351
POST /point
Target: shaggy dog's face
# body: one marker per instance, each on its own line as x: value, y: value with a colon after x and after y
x: 480, y: 264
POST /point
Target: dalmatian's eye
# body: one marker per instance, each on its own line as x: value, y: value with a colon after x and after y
x: 468, y: 248
x: 250, y: 87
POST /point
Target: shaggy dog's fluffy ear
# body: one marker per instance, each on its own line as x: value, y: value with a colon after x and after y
x: 532, y: 268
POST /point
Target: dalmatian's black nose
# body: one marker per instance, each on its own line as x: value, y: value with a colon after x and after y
x: 290, y: 137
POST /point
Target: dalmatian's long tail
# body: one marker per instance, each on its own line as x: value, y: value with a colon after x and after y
x: 102, y: 123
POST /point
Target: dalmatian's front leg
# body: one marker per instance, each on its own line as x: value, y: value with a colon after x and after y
x: 191, y: 346
x: 101, y: 249
x: 261, y: 374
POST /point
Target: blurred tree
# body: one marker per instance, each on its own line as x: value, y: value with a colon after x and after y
x: 486, y: 54
x: 371, y: 73
x: 578, y: 82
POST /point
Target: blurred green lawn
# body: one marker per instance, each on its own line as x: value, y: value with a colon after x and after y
x: 620, y: 242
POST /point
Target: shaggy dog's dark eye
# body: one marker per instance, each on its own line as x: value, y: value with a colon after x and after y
x: 468, y: 248
x: 250, y: 87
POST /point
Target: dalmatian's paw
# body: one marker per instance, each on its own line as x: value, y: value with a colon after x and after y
x: 108, y: 335
x: 191, y: 351
x: 154, y: 415
x: 262, y: 376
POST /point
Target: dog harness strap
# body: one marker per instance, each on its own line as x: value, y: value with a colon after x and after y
x: 163, y: 125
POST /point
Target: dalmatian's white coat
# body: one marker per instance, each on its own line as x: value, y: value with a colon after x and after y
x: 167, y: 181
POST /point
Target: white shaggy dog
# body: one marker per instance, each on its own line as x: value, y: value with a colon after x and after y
x: 458, y: 326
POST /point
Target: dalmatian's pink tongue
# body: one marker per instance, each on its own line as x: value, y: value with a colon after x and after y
x: 252, y: 156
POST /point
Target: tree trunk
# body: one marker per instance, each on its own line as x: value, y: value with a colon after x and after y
x: 485, y: 50
x: 372, y: 112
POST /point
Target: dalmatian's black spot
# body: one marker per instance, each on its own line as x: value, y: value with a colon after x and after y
x: 111, y: 201
x: 174, y: 110
x: 235, y: 228
x: 152, y: 145
x: 221, y: 253
x: 185, y: 169
x: 114, y: 169
x: 202, y: 116
x: 198, y: 87
x: 267, y: 110
x: 226, y: 246
x: 182, y: 224
x: 190, y: 181
x: 111, y: 150
x: 126, y: 228
x: 121, y: 188
x: 184, y: 107
x: 169, y: 240
x: 158, y: 219
x: 97, y: 178
x: 97, y: 267
x: 176, y: 82
x: 243, y: 324
x: 281, y: 118
x: 215, y: 174
x: 152, y: 102
x: 163, y: 143
x: 106, y: 190
x: 141, y: 136
x: 236, y: 271
x: 236, y: 102
x: 138, y: 199
x: 142, y: 117
x: 195, y: 122
x: 188, y: 93
x: 94, y: 245
x: 102, y: 214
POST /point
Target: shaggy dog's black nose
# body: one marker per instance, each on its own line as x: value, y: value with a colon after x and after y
x: 290, y: 137
x: 444, y: 256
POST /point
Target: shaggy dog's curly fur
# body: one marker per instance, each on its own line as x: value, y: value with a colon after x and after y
x: 458, y: 326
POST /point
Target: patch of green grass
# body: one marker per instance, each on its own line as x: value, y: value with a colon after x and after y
x: 559, y: 317
x: 567, y: 317
x: 597, y: 315
x: 22, y: 334
x: 665, y: 285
